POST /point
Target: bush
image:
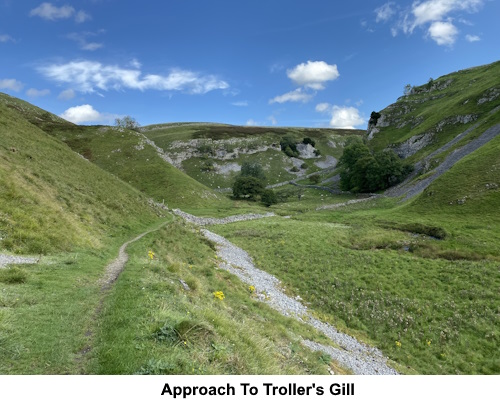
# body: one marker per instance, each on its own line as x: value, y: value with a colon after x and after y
x: 248, y: 187
x: 304, y: 166
x: 374, y: 118
x: 289, y: 147
x: 309, y: 141
x: 269, y: 198
x: 315, y: 178
x: 127, y: 122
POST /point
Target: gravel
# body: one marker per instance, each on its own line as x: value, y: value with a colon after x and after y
x: 10, y: 259
x: 360, y: 358
x: 219, y: 221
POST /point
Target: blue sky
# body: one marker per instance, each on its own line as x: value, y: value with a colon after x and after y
x: 285, y: 63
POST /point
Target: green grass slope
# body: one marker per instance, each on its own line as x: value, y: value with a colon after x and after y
x: 204, y: 150
x: 436, y: 112
x: 127, y: 155
x: 51, y: 199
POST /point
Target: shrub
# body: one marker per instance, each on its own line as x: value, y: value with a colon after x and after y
x: 289, y: 147
x: 374, y: 116
x: 207, y: 166
x: 269, y: 198
x: 248, y: 187
x: 127, y: 122
x: 304, y: 166
x: 309, y: 141
x: 315, y: 178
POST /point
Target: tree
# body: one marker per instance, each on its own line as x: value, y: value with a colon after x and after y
x: 252, y: 169
x: 361, y: 171
x: 127, y: 122
x: 269, y: 198
x: 289, y: 147
x: 247, y: 187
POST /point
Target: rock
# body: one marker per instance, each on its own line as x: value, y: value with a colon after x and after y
x: 306, y: 151
x: 184, y: 285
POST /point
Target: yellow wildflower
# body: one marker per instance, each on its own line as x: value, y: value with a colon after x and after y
x: 219, y: 295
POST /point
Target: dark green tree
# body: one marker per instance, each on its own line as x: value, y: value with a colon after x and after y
x: 269, y: 198
x: 247, y: 187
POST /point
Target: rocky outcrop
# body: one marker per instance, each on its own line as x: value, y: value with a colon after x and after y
x: 489, y: 95
x: 413, y: 145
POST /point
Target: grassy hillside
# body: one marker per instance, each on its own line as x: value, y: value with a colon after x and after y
x: 51, y: 199
x: 127, y: 155
x: 434, y: 113
x: 214, y: 153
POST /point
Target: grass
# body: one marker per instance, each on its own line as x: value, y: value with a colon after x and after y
x: 152, y: 325
x: 53, y: 200
x: 460, y: 98
x: 225, y: 138
x: 360, y: 278
x: 417, y: 279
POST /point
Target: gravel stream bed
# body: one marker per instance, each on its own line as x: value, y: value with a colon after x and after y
x: 10, y: 259
x: 358, y: 357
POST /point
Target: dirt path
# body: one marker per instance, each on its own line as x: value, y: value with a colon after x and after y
x: 111, y: 274
x: 114, y: 269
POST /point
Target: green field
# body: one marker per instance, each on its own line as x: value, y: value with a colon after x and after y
x: 418, y: 279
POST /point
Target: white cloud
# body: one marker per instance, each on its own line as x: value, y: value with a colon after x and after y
x: 385, y: 12
x: 444, y: 33
x: 273, y: 120
x: 252, y: 123
x: 346, y: 117
x: 66, y: 94
x: 341, y: 116
x: 81, y: 16
x: 81, y: 38
x: 48, y: 11
x: 313, y: 74
x: 6, y: 38
x: 37, y: 93
x: 435, y: 16
x: 297, y: 95
x: 437, y: 10
x: 472, y: 38
x: 86, y: 113
x: 91, y: 46
x: 323, y: 107
x: 89, y: 76
x: 240, y: 103
x: 11, y: 84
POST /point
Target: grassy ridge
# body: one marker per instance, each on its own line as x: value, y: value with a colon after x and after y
x: 51, y: 199
x: 457, y: 94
